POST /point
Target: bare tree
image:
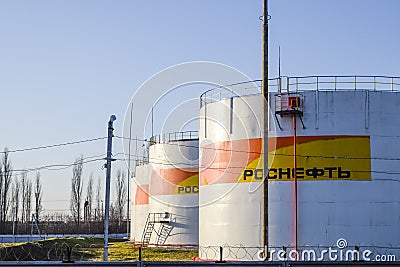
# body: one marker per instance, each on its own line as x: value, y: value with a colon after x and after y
x: 120, y: 188
x: 24, y: 181
x: 113, y: 214
x: 38, y: 196
x: 89, y: 198
x: 27, y: 198
x: 76, y: 190
x: 5, y: 184
x: 15, y: 196
x: 98, y: 209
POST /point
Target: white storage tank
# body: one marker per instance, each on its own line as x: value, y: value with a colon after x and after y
x: 140, y: 200
x: 230, y: 212
x: 337, y: 135
x: 174, y: 186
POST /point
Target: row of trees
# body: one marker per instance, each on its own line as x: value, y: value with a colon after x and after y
x: 91, y: 204
x: 16, y: 195
x: 21, y: 202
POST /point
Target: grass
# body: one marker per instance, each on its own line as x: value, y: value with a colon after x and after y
x: 126, y: 251
x: 89, y: 249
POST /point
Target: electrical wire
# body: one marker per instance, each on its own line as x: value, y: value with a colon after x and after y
x: 57, y: 167
x: 55, y: 145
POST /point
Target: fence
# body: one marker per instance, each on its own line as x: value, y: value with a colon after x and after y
x: 201, y: 264
x: 80, y: 253
x: 347, y: 253
x: 32, y: 238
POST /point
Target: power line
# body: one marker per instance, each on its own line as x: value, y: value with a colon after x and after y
x: 64, y: 200
x: 57, y: 167
x: 54, y: 145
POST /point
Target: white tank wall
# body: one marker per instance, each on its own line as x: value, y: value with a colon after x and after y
x: 140, y: 206
x: 365, y: 213
x: 175, y: 173
x: 229, y: 213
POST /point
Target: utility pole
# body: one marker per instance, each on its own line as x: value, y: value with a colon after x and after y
x: 108, y: 178
x: 128, y: 217
x: 265, y: 113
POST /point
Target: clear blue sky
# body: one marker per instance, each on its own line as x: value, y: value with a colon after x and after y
x: 66, y: 65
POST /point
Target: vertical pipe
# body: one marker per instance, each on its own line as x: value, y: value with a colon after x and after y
x: 355, y: 82
x: 205, y: 121
x: 265, y: 112
x: 279, y: 62
x: 295, y: 178
x: 335, y: 82
x: 279, y: 70
x: 136, y: 154
x: 366, y: 109
x: 374, y: 83
x: 279, y: 84
x: 231, y: 115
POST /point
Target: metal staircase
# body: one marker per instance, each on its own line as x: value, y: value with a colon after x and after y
x: 165, y: 228
x: 163, y: 233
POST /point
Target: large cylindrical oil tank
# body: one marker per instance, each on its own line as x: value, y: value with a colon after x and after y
x: 229, y: 211
x: 140, y: 200
x: 173, y: 188
x: 333, y: 176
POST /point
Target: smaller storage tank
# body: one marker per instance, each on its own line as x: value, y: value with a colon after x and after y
x: 140, y: 200
x: 173, y: 205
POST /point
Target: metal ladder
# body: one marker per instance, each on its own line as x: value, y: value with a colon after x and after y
x: 165, y: 230
x: 148, y: 230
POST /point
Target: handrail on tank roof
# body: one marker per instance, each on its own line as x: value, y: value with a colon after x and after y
x: 142, y: 161
x: 294, y: 84
x: 174, y: 136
